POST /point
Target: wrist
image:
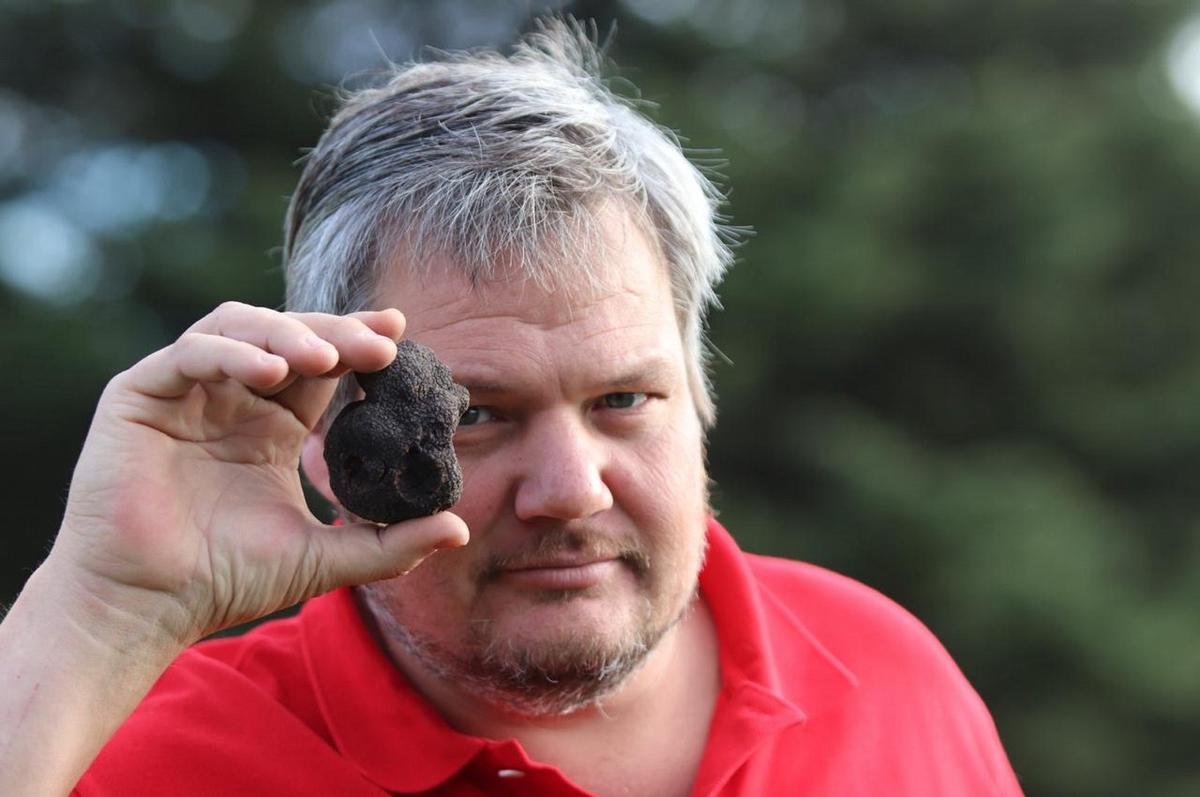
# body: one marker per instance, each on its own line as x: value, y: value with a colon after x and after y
x: 73, y: 670
x: 118, y: 627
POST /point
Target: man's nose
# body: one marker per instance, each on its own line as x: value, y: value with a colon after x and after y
x: 562, y: 471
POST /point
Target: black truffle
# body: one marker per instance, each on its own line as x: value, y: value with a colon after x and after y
x: 391, y: 455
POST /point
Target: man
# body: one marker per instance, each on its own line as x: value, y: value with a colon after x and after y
x: 600, y: 633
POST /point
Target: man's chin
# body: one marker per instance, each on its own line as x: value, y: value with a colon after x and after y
x: 556, y: 674
x: 543, y: 653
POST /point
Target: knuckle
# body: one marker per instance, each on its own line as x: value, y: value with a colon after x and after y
x: 230, y: 306
x: 189, y: 340
x: 263, y: 315
x: 315, y: 322
x: 356, y: 325
x: 119, y: 382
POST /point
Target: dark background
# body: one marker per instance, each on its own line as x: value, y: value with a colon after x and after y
x: 965, y: 338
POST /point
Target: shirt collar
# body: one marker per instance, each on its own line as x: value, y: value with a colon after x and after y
x: 374, y: 715
x: 759, y: 628
x: 756, y: 630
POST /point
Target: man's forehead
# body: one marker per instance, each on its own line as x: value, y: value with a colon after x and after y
x: 614, y: 334
x: 511, y: 309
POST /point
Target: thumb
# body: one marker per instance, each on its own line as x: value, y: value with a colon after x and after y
x: 356, y: 553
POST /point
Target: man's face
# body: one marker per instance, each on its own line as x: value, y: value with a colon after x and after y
x: 584, y: 484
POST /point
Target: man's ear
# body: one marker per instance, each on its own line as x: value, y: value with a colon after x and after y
x: 312, y: 460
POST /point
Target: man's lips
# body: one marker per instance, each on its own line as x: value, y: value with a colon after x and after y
x: 562, y: 574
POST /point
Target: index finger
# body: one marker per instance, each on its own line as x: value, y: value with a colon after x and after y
x: 313, y: 344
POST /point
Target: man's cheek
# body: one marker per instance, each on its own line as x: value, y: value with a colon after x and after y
x: 651, y: 494
x: 482, y: 495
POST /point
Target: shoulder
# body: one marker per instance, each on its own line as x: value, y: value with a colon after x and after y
x: 912, y: 717
x: 861, y: 627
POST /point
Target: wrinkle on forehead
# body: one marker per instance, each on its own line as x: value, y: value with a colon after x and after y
x: 553, y: 312
x: 445, y: 308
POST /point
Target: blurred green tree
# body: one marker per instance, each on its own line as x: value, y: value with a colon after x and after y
x: 964, y: 350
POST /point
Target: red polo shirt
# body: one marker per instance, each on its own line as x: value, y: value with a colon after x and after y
x: 828, y: 688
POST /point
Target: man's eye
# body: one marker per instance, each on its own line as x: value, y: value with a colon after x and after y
x: 622, y: 401
x: 475, y: 416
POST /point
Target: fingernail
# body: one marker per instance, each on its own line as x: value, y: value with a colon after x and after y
x: 416, y: 564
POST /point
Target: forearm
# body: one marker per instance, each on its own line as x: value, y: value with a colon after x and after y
x: 72, y: 671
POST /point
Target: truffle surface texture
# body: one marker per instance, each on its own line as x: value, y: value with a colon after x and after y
x: 391, y: 454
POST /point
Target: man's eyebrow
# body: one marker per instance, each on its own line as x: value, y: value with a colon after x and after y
x: 485, y: 381
x: 645, y: 373
x: 475, y: 386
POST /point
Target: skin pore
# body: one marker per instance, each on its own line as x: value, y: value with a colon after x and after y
x: 585, y: 493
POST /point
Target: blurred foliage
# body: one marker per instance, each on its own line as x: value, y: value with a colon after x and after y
x: 965, y: 347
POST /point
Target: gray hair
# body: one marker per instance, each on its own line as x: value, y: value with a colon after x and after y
x: 495, y: 159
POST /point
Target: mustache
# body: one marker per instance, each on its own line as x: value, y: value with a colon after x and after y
x: 577, y: 542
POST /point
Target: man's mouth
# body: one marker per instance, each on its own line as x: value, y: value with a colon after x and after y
x: 563, y: 573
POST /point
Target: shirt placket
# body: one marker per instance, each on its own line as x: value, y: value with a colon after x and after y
x: 504, y: 769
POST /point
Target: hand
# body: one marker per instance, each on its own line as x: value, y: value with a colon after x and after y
x: 186, y: 509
